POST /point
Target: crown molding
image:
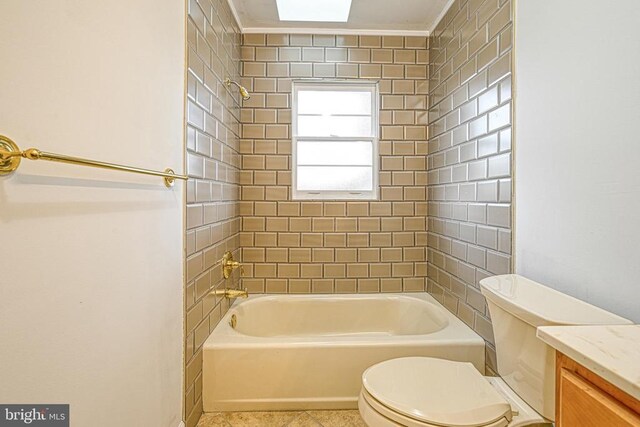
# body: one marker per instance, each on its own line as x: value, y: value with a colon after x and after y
x: 439, y: 18
x: 334, y: 31
x: 234, y: 12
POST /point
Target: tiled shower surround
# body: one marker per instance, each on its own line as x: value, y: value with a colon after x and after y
x: 293, y: 246
x: 213, y: 162
x: 469, y: 159
x: 443, y: 220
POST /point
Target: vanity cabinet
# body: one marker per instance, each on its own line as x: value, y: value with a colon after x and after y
x: 584, y: 399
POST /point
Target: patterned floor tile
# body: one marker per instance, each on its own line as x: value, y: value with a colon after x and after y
x: 338, y: 418
x: 260, y: 419
x: 213, y: 420
x: 304, y: 420
x: 349, y: 418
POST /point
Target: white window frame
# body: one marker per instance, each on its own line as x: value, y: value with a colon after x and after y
x: 320, y: 85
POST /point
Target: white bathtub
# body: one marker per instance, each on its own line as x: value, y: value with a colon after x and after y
x: 309, y: 351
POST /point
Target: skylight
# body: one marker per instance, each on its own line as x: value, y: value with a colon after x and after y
x: 314, y: 10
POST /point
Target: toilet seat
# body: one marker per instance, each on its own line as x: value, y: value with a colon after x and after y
x: 377, y: 415
x: 423, y: 391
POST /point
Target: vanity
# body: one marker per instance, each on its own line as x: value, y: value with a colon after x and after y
x: 597, y: 374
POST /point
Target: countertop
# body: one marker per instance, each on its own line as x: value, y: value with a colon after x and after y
x: 612, y: 352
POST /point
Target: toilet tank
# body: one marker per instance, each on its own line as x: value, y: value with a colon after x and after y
x: 518, y: 306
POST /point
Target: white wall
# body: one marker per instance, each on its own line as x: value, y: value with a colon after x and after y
x: 577, y: 145
x: 92, y: 261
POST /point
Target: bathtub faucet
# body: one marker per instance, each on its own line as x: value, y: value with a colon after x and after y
x: 231, y: 293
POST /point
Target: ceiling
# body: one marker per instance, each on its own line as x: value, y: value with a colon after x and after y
x: 392, y: 17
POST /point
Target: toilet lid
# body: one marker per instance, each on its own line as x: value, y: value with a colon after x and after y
x: 436, y: 391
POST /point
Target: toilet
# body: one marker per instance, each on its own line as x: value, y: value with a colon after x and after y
x: 425, y: 392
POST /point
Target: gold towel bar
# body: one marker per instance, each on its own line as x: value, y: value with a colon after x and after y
x: 10, y: 156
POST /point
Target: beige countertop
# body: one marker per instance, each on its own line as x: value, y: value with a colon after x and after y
x: 612, y: 352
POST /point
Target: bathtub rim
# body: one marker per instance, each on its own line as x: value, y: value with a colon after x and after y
x: 455, y: 332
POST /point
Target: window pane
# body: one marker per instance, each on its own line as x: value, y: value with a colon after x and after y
x: 335, y: 153
x: 335, y: 178
x: 326, y: 160
x: 334, y: 126
x: 334, y: 102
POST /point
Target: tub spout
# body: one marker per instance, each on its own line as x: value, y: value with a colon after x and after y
x: 231, y: 293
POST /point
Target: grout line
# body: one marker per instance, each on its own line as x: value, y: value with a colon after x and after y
x: 295, y: 418
x: 314, y: 419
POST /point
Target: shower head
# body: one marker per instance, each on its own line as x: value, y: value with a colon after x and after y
x: 243, y: 91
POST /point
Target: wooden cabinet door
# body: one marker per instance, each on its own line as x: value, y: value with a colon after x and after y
x: 583, y: 404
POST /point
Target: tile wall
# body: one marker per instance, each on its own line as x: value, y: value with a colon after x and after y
x: 453, y: 88
x: 213, y: 163
x: 469, y: 157
x: 334, y: 246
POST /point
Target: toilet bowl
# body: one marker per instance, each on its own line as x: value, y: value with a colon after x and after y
x: 426, y: 392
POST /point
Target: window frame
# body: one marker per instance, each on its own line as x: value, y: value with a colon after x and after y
x: 333, y: 85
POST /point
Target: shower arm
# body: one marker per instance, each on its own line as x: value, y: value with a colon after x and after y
x: 229, y: 82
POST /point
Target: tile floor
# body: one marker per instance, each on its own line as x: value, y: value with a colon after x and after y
x: 349, y: 418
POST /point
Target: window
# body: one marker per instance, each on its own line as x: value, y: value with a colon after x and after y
x: 335, y: 144
x: 315, y: 11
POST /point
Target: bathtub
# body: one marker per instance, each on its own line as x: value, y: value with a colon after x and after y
x: 295, y: 352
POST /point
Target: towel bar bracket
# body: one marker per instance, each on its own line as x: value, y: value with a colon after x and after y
x: 8, y: 164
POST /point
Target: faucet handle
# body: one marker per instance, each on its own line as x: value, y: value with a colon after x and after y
x: 229, y: 264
